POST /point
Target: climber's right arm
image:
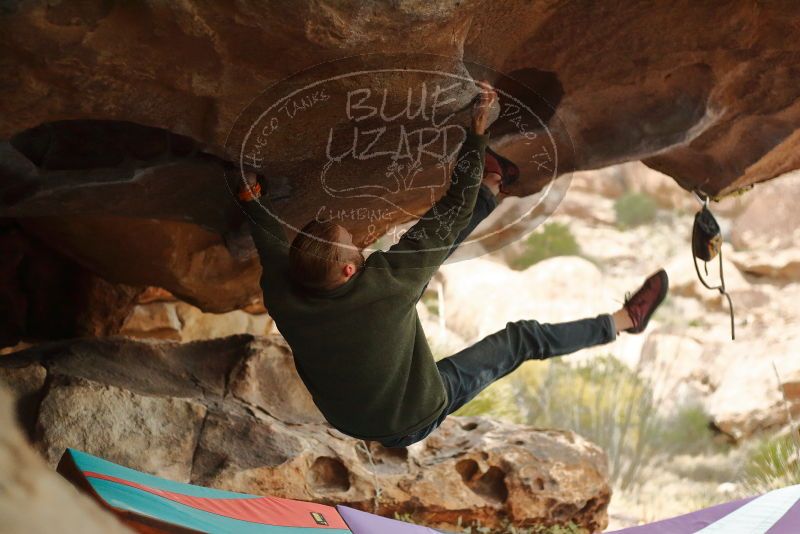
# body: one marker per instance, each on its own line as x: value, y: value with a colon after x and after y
x: 267, y: 231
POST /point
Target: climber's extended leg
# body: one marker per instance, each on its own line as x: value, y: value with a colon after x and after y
x: 468, y: 372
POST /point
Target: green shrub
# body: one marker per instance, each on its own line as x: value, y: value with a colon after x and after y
x: 498, y: 400
x: 689, y: 431
x: 508, y: 528
x: 635, y: 209
x: 431, y: 302
x: 603, y: 400
x: 553, y: 239
x: 774, y: 464
x: 476, y: 527
x: 606, y: 402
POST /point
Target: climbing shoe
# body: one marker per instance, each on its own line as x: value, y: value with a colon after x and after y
x: 641, y: 305
x: 506, y: 168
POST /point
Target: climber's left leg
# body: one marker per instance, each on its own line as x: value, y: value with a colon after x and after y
x: 468, y: 372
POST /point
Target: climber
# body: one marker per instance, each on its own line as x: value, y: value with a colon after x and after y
x: 352, y: 324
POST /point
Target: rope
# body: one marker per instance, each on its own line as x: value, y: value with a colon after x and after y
x: 703, y: 199
x: 364, y: 445
x: 720, y: 288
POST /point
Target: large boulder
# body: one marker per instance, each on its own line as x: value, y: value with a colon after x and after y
x: 614, y: 181
x: 113, y: 148
x: 767, y: 231
x: 755, y: 384
x: 47, y: 295
x: 482, y: 295
x: 674, y: 364
x: 684, y: 282
x: 181, y: 321
x: 779, y: 265
x: 676, y: 96
x: 159, y: 434
x: 233, y: 414
x: 33, y: 498
x: 770, y: 220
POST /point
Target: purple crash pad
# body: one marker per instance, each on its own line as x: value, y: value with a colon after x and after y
x: 689, y: 523
x: 365, y: 523
x: 788, y: 524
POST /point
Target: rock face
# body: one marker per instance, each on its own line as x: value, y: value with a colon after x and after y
x: 770, y: 221
x: 46, y: 295
x: 687, y: 352
x: 530, y: 294
x: 119, y: 138
x: 675, y: 365
x: 755, y: 386
x: 169, y: 318
x: 767, y: 232
x: 210, y: 413
x: 33, y: 498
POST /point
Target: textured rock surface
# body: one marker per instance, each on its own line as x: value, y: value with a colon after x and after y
x: 770, y: 220
x: 33, y: 498
x: 209, y: 413
x: 27, y: 386
x: 158, y: 434
x: 780, y: 265
x: 192, y: 262
x: 530, y: 294
x: 46, y: 295
x: 755, y: 386
x: 684, y: 282
x: 675, y: 365
x: 180, y: 321
x: 693, y: 93
x: 766, y: 232
x: 120, y: 133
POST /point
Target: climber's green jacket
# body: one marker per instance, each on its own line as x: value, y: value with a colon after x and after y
x: 360, y: 348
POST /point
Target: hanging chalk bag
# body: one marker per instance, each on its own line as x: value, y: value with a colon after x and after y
x: 707, y: 245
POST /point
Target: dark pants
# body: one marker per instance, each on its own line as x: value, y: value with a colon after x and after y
x: 469, y: 371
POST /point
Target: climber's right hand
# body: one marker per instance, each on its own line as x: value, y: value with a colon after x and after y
x: 250, y: 188
x: 482, y: 108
